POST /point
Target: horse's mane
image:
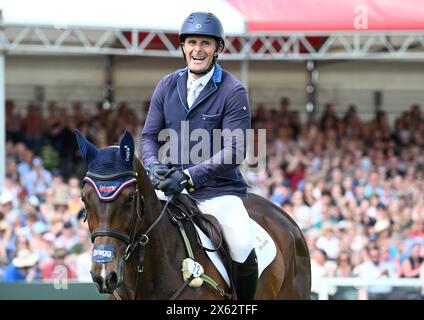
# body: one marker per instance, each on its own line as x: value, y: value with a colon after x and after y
x: 145, y: 187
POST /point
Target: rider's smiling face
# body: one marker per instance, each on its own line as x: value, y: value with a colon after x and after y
x: 199, y: 53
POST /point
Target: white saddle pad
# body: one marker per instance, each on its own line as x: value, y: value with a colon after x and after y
x: 264, y: 246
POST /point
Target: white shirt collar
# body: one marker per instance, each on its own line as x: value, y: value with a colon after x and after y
x: 203, y: 80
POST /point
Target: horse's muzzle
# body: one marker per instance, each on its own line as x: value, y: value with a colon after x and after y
x: 107, y: 281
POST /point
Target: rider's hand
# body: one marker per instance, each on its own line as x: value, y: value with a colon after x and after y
x: 157, y: 172
x: 174, y: 184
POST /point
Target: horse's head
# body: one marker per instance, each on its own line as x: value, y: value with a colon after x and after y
x: 114, y: 206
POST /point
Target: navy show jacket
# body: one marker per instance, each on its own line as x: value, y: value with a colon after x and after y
x: 222, y: 104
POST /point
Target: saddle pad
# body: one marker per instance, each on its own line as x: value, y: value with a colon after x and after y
x: 264, y: 246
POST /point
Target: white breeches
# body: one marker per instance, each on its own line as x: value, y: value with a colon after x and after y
x: 234, y: 220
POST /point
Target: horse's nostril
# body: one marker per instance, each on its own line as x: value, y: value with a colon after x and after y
x: 97, y: 281
x: 112, y: 280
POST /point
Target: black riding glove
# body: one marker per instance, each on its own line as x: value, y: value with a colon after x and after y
x: 174, y: 184
x: 157, y: 172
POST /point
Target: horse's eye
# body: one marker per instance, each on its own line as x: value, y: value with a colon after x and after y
x: 129, y: 199
x: 84, y: 199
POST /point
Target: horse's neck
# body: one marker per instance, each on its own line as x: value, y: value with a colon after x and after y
x: 162, y: 242
x: 154, y: 266
x: 152, y: 209
x: 146, y: 188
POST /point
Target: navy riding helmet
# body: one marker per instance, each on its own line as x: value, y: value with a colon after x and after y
x: 202, y: 23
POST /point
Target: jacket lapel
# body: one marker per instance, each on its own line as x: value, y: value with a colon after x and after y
x: 211, y: 86
x: 182, y: 87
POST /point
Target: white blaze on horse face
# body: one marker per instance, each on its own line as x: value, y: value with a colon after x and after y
x: 103, y: 273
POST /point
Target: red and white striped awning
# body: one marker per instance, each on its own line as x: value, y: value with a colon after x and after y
x: 331, y: 15
x: 238, y: 16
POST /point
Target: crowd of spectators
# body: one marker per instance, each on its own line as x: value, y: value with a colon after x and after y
x: 354, y: 187
x: 42, y: 232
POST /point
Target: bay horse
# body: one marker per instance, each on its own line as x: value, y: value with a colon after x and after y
x: 138, y: 251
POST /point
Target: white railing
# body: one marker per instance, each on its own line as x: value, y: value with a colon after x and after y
x: 325, y: 284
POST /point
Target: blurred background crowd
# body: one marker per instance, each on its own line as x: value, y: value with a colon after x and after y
x: 354, y: 187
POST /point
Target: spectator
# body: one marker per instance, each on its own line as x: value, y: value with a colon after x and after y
x: 38, y: 179
x: 320, y: 268
x: 373, y: 268
x: 24, y: 267
x: 33, y: 128
x: 55, y: 269
x: 344, y: 269
x: 411, y: 266
x: 4, y: 239
x: 82, y: 256
x: 13, y: 123
x: 68, y: 238
x: 10, y: 213
x: 329, y: 242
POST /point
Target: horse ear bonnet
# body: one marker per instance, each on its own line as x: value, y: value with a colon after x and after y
x: 88, y: 151
x: 126, y: 147
x: 108, y: 161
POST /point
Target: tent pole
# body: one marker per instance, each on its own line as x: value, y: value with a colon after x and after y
x: 2, y: 106
x: 2, y: 120
x: 109, y: 96
x: 311, y: 90
x: 244, y: 73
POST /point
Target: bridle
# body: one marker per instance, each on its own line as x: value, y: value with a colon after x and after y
x: 131, y: 240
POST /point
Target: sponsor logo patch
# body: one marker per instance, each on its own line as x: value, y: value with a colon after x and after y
x: 107, y: 189
x: 103, y: 253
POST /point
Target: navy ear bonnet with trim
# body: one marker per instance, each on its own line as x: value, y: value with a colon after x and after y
x: 108, y: 161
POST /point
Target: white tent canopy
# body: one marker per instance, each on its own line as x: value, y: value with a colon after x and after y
x: 163, y: 15
x: 150, y: 28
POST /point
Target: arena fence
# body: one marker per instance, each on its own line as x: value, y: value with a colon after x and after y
x: 363, y: 289
x: 328, y: 289
x: 50, y: 291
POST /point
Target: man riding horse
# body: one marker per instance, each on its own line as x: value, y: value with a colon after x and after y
x: 204, y: 96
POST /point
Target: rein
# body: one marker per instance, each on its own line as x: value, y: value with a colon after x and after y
x: 142, y: 241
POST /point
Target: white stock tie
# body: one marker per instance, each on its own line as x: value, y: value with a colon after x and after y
x: 192, y: 94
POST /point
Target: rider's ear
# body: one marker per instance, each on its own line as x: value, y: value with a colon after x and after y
x: 88, y: 150
x: 219, y: 48
x: 126, y: 147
